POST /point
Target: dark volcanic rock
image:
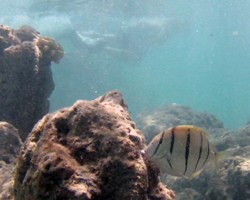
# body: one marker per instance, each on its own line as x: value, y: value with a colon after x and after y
x: 10, y: 144
x: 152, y: 123
x: 25, y: 77
x: 88, y: 151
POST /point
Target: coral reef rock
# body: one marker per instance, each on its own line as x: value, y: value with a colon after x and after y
x: 10, y: 145
x: 88, y: 151
x: 25, y: 76
x: 50, y: 50
x: 232, y: 179
x: 153, y: 122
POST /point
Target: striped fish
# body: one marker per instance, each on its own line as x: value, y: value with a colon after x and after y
x: 183, y: 150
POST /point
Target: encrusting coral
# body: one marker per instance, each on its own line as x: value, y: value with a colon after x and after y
x: 50, y: 49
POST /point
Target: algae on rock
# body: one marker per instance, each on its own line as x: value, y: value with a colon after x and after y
x: 25, y: 76
x: 88, y: 151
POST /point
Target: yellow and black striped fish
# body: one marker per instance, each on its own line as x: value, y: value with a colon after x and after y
x: 183, y: 150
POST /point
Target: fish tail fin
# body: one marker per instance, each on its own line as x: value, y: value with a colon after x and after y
x: 219, y: 156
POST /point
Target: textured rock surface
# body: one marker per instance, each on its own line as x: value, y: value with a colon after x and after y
x: 233, y: 178
x: 88, y: 151
x: 10, y: 144
x: 153, y: 122
x: 25, y: 78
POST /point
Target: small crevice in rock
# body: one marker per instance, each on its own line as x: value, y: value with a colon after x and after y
x: 62, y: 126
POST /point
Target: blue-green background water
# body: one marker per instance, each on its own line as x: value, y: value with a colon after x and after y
x: 204, y: 62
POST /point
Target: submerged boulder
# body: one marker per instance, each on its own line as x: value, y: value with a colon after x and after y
x: 10, y: 145
x: 88, y: 151
x: 25, y: 76
x: 153, y: 122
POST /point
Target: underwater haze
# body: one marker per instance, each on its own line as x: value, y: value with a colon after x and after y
x: 193, y: 53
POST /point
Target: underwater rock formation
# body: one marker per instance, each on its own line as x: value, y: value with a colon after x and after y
x: 232, y: 181
x: 10, y: 145
x: 233, y: 178
x: 88, y: 151
x: 25, y: 76
x: 153, y: 122
x: 50, y: 50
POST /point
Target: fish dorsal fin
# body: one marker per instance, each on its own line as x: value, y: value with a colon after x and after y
x: 192, y: 129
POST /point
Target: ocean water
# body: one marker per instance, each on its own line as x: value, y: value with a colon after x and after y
x: 193, y: 53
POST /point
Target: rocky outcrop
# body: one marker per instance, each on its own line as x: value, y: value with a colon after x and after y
x: 232, y: 179
x: 25, y: 76
x: 10, y: 144
x: 153, y: 122
x: 88, y: 151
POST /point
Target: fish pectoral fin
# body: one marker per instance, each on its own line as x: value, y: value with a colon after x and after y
x: 196, y: 173
x: 164, y: 156
x: 219, y: 156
